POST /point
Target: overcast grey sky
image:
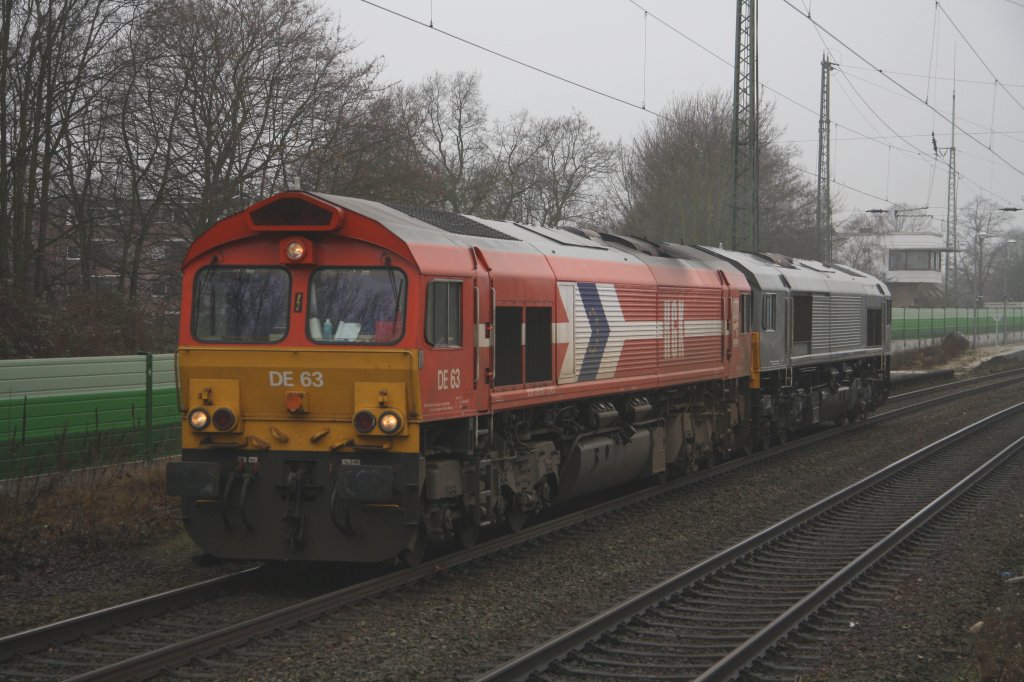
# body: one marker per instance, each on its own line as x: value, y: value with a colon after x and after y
x: 605, y: 44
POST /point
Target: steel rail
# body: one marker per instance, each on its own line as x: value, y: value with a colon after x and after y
x: 743, y: 656
x: 541, y: 657
x: 995, y: 377
x: 73, y: 628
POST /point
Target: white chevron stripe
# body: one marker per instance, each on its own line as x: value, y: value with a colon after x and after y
x: 619, y: 330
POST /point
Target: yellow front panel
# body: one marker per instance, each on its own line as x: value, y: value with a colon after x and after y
x: 300, y: 399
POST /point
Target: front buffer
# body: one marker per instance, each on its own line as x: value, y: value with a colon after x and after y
x: 359, y: 506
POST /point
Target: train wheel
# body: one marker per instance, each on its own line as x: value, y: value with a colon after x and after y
x: 413, y: 556
x: 466, y: 533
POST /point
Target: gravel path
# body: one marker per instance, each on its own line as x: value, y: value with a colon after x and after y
x: 466, y: 622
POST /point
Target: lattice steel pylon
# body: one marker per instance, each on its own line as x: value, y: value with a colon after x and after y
x: 745, y: 130
x: 823, y: 212
x: 951, y: 209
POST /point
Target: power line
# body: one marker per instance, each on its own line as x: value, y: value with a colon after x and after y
x: 897, y: 83
x: 519, y: 62
x: 633, y: 105
x: 976, y: 54
x: 934, y: 77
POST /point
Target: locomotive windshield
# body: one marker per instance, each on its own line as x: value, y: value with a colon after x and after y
x: 357, y: 305
x: 240, y: 305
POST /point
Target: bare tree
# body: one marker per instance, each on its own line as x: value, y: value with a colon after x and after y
x: 981, y: 234
x: 365, y: 144
x: 51, y: 63
x: 858, y: 245
x: 454, y: 137
x: 515, y: 158
x: 250, y: 75
x: 572, y: 159
x: 677, y: 179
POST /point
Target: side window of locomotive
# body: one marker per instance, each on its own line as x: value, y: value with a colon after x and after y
x: 508, y: 346
x: 444, y: 314
x: 356, y: 305
x: 874, y: 326
x: 538, y: 344
x: 768, y: 312
x: 240, y: 305
x: 745, y: 311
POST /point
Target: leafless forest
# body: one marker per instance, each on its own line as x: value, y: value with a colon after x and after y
x: 130, y: 126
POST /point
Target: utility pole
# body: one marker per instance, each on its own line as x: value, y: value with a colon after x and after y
x: 745, y: 130
x: 823, y: 214
x: 951, y: 238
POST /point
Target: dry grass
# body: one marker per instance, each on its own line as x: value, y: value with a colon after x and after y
x: 76, y: 514
x: 923, y: 358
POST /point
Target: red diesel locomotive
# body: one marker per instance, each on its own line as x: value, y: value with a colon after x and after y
x: 359, y: 379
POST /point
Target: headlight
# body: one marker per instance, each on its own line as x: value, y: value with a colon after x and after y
x: 364, y: 421
x: 224, y: 419
x: 390, y: 422
x: 295, y: 250
x: 198, y: 419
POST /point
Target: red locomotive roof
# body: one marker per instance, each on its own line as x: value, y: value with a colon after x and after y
x: 432, y: 239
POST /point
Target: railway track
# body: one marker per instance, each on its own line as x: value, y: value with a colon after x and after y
x: 722, y: 617
x: 988, y: 381
x: 139, y: 638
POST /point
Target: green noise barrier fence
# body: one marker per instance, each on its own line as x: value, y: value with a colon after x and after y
x: 68, y: 413
x: 927, y: 324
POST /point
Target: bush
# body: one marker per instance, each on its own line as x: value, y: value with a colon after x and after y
x: 82, y: 324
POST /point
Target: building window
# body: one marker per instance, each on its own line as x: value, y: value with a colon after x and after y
x: 444, y: 314
x: 768, y: 312
x: 911, y: 259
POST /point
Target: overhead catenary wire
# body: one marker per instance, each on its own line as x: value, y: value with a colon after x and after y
x: 620, y: 100
x: 884, y: 74
x: 977, y: 54
x: 806, y: 108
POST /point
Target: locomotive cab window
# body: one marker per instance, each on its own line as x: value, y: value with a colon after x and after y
x: 444, y: 314
x: 745, y: 313
x: 240, y: 305
x: 356, y: 305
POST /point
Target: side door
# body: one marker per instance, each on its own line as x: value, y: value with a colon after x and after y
x: 449, y: 353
